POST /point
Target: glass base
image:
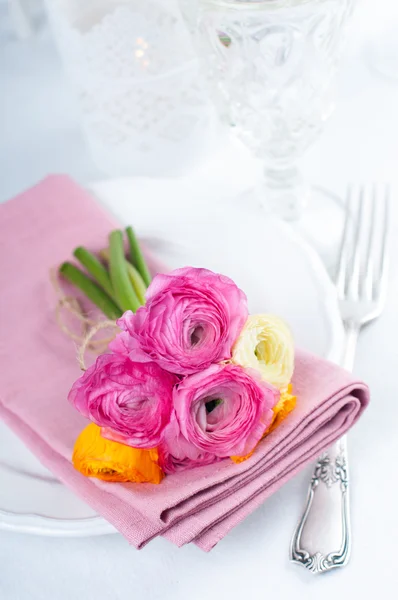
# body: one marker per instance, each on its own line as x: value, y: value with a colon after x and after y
x: 322, y: 224
x: 317, y: 215
x: 382, y: 57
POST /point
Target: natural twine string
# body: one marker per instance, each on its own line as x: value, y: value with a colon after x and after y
x: 90, y: 327
x: 85, y: 345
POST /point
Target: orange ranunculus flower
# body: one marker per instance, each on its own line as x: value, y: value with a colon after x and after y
x: 286, y: 404
x: 94, y: 456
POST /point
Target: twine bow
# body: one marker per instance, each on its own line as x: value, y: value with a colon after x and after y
x: 90, y: 327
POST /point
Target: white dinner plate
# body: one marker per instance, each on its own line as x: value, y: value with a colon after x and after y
x: 184, y: 224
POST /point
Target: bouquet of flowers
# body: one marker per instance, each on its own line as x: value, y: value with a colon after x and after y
x: 190, y: 380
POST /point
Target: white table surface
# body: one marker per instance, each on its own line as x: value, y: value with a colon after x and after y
x: 39, y: 134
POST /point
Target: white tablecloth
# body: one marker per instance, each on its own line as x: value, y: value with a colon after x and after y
x: 39, y: 134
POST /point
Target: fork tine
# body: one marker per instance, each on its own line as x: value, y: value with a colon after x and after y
x: 369, y: 274
x: 344, y: 247
x: 381, y: 284
x: 353, y: 283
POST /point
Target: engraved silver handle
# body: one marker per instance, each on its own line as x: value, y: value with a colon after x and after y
x: 322, y: 539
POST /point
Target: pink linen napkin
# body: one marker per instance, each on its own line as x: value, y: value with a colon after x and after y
x: 38, y: 230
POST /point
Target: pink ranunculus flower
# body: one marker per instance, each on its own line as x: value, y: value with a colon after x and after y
x: 224, y: 410
x: 191, y: 319
x: 130, y: 401
x: 177, y: 454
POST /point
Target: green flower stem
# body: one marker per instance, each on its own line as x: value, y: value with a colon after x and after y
x: 136, y: 256
x: 96, y: 269
x: 121, y: 283
x: 135, y: 278
x: 91, y: 290
x: 137, y: 281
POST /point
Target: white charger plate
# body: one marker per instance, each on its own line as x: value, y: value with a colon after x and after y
x: 184, y: 223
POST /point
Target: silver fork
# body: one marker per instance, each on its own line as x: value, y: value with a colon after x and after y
x: 322, y: 539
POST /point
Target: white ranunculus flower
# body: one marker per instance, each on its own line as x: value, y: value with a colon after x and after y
x: 266, y: 344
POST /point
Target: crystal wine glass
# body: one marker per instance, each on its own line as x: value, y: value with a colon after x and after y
x: 270, y: 67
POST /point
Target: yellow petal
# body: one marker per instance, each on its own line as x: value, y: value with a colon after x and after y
x: 94, y: 456
x: 286, y: 404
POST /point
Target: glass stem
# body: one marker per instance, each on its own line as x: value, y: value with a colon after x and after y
x: 285, y: 192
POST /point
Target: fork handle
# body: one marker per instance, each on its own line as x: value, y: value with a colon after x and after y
x: 351, y: 338
x: 322, y: 539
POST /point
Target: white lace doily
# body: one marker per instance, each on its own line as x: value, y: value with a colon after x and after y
x: 137, y: 79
